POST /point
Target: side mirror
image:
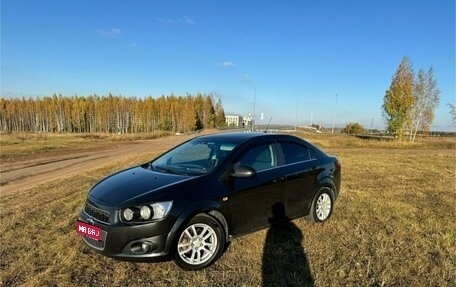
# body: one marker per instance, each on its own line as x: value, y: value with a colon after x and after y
x: 243, y: 171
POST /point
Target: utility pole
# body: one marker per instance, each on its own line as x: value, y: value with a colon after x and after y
x: 248, y: 79
x: 372, y: 124
x: 254, y: 104
x: 334, y: 115
x: 296, y: 119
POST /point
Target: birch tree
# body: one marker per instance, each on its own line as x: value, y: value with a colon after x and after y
x: 453, y: 113
x: 398, y: 99
x: 426, y: 97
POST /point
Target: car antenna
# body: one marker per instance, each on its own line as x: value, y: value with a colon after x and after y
x: 267, y: 127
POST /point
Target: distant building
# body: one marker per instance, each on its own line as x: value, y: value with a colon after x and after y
x: 233, y: 120
x: 247, y: 121
x: 238, y: 121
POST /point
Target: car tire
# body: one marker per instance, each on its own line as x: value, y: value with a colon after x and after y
x: 322, y: 205
x: 200, y: 243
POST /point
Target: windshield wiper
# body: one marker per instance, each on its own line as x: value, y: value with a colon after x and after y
x: 162, y: 168
x: 166, y: 169
x: 192, y: 168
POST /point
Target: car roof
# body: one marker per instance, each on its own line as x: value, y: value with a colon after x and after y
x: 244, y: 136
x: 240, y: 137
x: 234, y: 136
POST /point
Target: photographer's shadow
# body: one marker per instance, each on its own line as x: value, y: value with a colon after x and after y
x: 284, y: 260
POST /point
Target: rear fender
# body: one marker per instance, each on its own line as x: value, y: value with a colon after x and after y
x: 323, y: 182
x: 328, y: 179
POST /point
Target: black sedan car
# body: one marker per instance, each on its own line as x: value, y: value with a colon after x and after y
x: 191, y: 201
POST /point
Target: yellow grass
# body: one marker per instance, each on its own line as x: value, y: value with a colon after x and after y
x: 393, y: 225
x: 16, y: 145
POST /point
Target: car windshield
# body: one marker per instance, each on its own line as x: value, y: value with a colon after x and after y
x: 195, y: 157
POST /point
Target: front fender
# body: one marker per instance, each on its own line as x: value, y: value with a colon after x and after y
x: 209, y: 207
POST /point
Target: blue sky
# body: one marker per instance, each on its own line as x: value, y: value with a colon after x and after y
x: 297, y: 55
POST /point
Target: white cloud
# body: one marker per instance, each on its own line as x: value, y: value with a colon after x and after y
x: 166, y: 21
x: 186, y: 20
x: 113, y: 32
x: 226, y: 64
x: 189, y: 20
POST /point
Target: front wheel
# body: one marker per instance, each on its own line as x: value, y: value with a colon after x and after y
x: 322, y: 205
x: 200, y: 243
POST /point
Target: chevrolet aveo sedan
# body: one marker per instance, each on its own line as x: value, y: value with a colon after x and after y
x: 188, y: 203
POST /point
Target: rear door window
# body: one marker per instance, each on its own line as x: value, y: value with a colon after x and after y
x: 294, y: 153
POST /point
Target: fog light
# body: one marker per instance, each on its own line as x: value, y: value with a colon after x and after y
x: 145, y: 247
x: 142, y: 246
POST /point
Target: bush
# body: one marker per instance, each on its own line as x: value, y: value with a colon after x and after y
x: 353, y: 129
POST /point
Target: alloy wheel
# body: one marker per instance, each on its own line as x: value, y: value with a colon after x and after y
x: 323, y: 206
x: 197, y: 244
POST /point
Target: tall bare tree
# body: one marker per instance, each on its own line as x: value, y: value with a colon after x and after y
x: 426, y: 97
x: 453, y: 113
x: 398, y: 99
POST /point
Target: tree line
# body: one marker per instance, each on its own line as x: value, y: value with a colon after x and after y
x: 410, y: 101
x: 110, y: 114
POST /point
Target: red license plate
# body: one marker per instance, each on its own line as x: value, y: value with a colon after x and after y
x: 88, y: 230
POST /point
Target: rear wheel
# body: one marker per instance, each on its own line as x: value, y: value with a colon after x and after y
x: 322, y: 205
x: 200, y: 243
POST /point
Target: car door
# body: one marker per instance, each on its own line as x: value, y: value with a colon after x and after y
x: 299, y: 163
x: 251, y: 198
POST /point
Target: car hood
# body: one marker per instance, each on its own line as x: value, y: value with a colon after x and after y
x: 128, y: 184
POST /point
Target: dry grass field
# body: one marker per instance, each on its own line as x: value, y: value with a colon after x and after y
x: 394, y: 224
x: 19, y: 145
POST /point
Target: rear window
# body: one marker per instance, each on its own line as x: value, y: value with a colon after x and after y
x: 293, y: 153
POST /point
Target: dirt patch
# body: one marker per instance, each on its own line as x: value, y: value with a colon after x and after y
x: 15, y: 175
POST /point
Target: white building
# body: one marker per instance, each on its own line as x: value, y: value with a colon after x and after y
x: 233, y: 120
x: 238, y: 121
x: 247, y: 121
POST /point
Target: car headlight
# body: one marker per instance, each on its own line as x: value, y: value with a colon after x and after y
x: 145, y: 213
x: 161, y: 209
x: 128, y: 214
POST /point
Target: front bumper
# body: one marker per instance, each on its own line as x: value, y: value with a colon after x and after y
x: 125, y: 242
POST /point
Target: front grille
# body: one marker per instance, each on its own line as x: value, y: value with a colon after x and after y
x: 97, y: 213
x: 97, y: 244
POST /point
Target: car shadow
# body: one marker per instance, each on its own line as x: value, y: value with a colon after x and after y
x: 284, y: 260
